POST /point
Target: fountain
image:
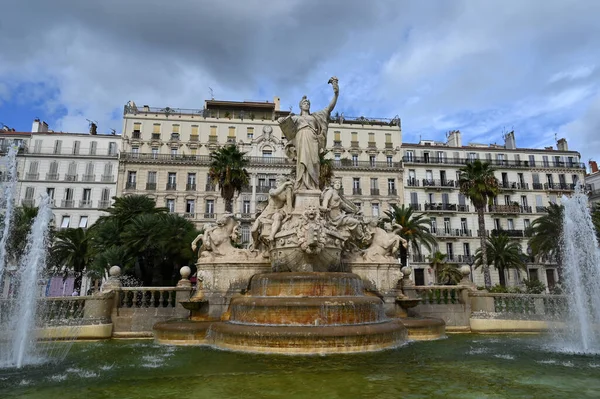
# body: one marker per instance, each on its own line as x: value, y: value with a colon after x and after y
x: 317, y: 279
x: 581, y: 276
x: 8, y: 204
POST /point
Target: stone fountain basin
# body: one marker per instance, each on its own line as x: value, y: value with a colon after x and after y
x: 302, y: 284
x: 408, y: 303
x: 308, y: 311
x: 193, y: 305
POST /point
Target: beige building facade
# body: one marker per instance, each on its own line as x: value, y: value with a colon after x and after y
x: 529, y: 179
x: 166, y: 155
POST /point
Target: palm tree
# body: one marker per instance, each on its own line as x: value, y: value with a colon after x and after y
x: 596, y: 221
x: 503, y: 253
x: 72, y: 249
x: 415, y: 229
x: 126, y: 208
x: 325, y: 170
x: 478, y: 183
x: 546, y: 232
x: 227, y: 169
x: 449, y: 274
x: 437, y: 261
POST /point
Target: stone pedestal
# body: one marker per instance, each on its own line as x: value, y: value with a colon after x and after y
x: 381, y: 278
x: 306, y: 198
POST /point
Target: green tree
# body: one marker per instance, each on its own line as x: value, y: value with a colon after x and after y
x: 596, y: 221
x: 325, y: 171
x: 415, y: 229
x: 72, y: 249
x: 437, y: 261
x: 228, y: 170
x: 546, y: 232
x: 478, y: 183
x: 503, y: 253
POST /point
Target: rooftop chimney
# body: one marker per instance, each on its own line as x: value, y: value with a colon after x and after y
x: 509, y: 141
x: 593, y: 167
x: 454, y: 138
x: 277, y: 102
x: 561, y: 145
x: 35, y: 127
x: 93, y: 128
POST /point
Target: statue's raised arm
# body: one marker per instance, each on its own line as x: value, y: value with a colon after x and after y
x: 336, y: 92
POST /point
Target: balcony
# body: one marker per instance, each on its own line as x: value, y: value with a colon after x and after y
x: 190, y: 187
x: 505, y: 209
x: 70, y: 177
x: 89, y: 178
x: 194, y: 138
x: 412, y: 182
x: 463, y: 208
x: 503, y: 163
x: 171, y: 186
x: 189, y: 215
x: 454, y: 233
x: 263, y: 189
x: 511, y: 186
x: 354, y: 144
x: 525, y: 209
x: 151, y: 186
x: 468, y: 259
x: 389, y: 145
x: 438, y: 183
x: 155, y: 136
x: 210, y: 187
x: 337, y: 143
x: 213, y: 139
x: 174, y: 137
x: 52, y: 176
x: 415, y: 207
x: 541, y: 209
x: 417, y: 258
x: 247, y: 189
x: 231, y: 139
x: 107, y: 178
x: 85, y: 204
x: 509, y: 233
x: 67, y: 203
x: 130, y: 185
x: 356, y: 191
x: 103, y: 204
x: 246, y: 215
x: 371, y: 144
x: 210, y: 215
x: 374, y: 191
x: 437, y: 207
x: 559, y: 187
x: 29, y: 202
x: 136, y: 135
x: 392, y: 191
x: 537, y: 186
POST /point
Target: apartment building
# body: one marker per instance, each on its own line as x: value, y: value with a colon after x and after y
x: 592, y: 180
x: 77, y: 171
x: 529, y: 179
x: 166, y: 155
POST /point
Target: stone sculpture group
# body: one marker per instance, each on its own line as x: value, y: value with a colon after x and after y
x: 303, y: 228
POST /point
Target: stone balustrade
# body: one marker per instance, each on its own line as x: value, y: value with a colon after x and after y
x: 441, y: 294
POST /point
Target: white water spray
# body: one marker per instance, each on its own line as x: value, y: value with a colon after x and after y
x: 21, y: 341
x: 9, y: 190
x: 581, y: 276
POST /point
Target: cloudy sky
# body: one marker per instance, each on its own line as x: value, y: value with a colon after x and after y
x: 481, y: 66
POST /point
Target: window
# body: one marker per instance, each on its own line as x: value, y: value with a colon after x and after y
x: 497, y: 224
x: 388, y: 138
x: 354, y: 159
x: 433, y: 223
x: 507, y: 200
x: 466, y: 249
x: 137, y: 127
x: 472, y: 156
x: 552, y: 199
x: 358, y: 205
x: 76, y: 146
x: 172, y: 178
x: 213, y: 134
x: 50, y: 192
x: 83, y: 221
x: 532, y: 160
x: 389, y: 160
x: 545, y: 161
x: 170, y: 204
x: 135, y: 151
x: 372, y: 160
x: 210, y: 207
x: 154, y: 152
x: 66, y: 220
x: 152, y: 178
x: 57, y: 146
x: 267, y: 153
x: 447, y: 227
x: 53, y: 175
x: 391, y: 185
x: 412, y: 179
x: 511, y: 224
x: 441, y: 156
x: 131, y: 177
x: 550, y: 179
x: 173, y: 151
x: 464, y: 227
x: 191, y: 179
x: 250, y: 133
x: 521, y: 180
x: 190, y: 206
x: 526, y: 223
x: 246, y: 206
x: 336, y: 156
x: 194, y: 134
x: 105, y: 197
x: 375, y: 209
x: 112, y: 148
x: 231, y: 132
x: 524, y: 200
x: 356, y: 182
x: 337, y: 136
x: 156, y: 128
x: 371, y: 138
x: 87, y: 195
x: 29, y: 192
x: 410, y: 156
x: 175, y: 129
x: 37, y: 147
x: 355, y: 136
x: 93, y: 147
x: 68, y: 194
x: 450, y: 251
x: 414, y: 198
x: 374, y: 183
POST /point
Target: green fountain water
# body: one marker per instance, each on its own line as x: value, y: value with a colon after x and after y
x: 462, y: 366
